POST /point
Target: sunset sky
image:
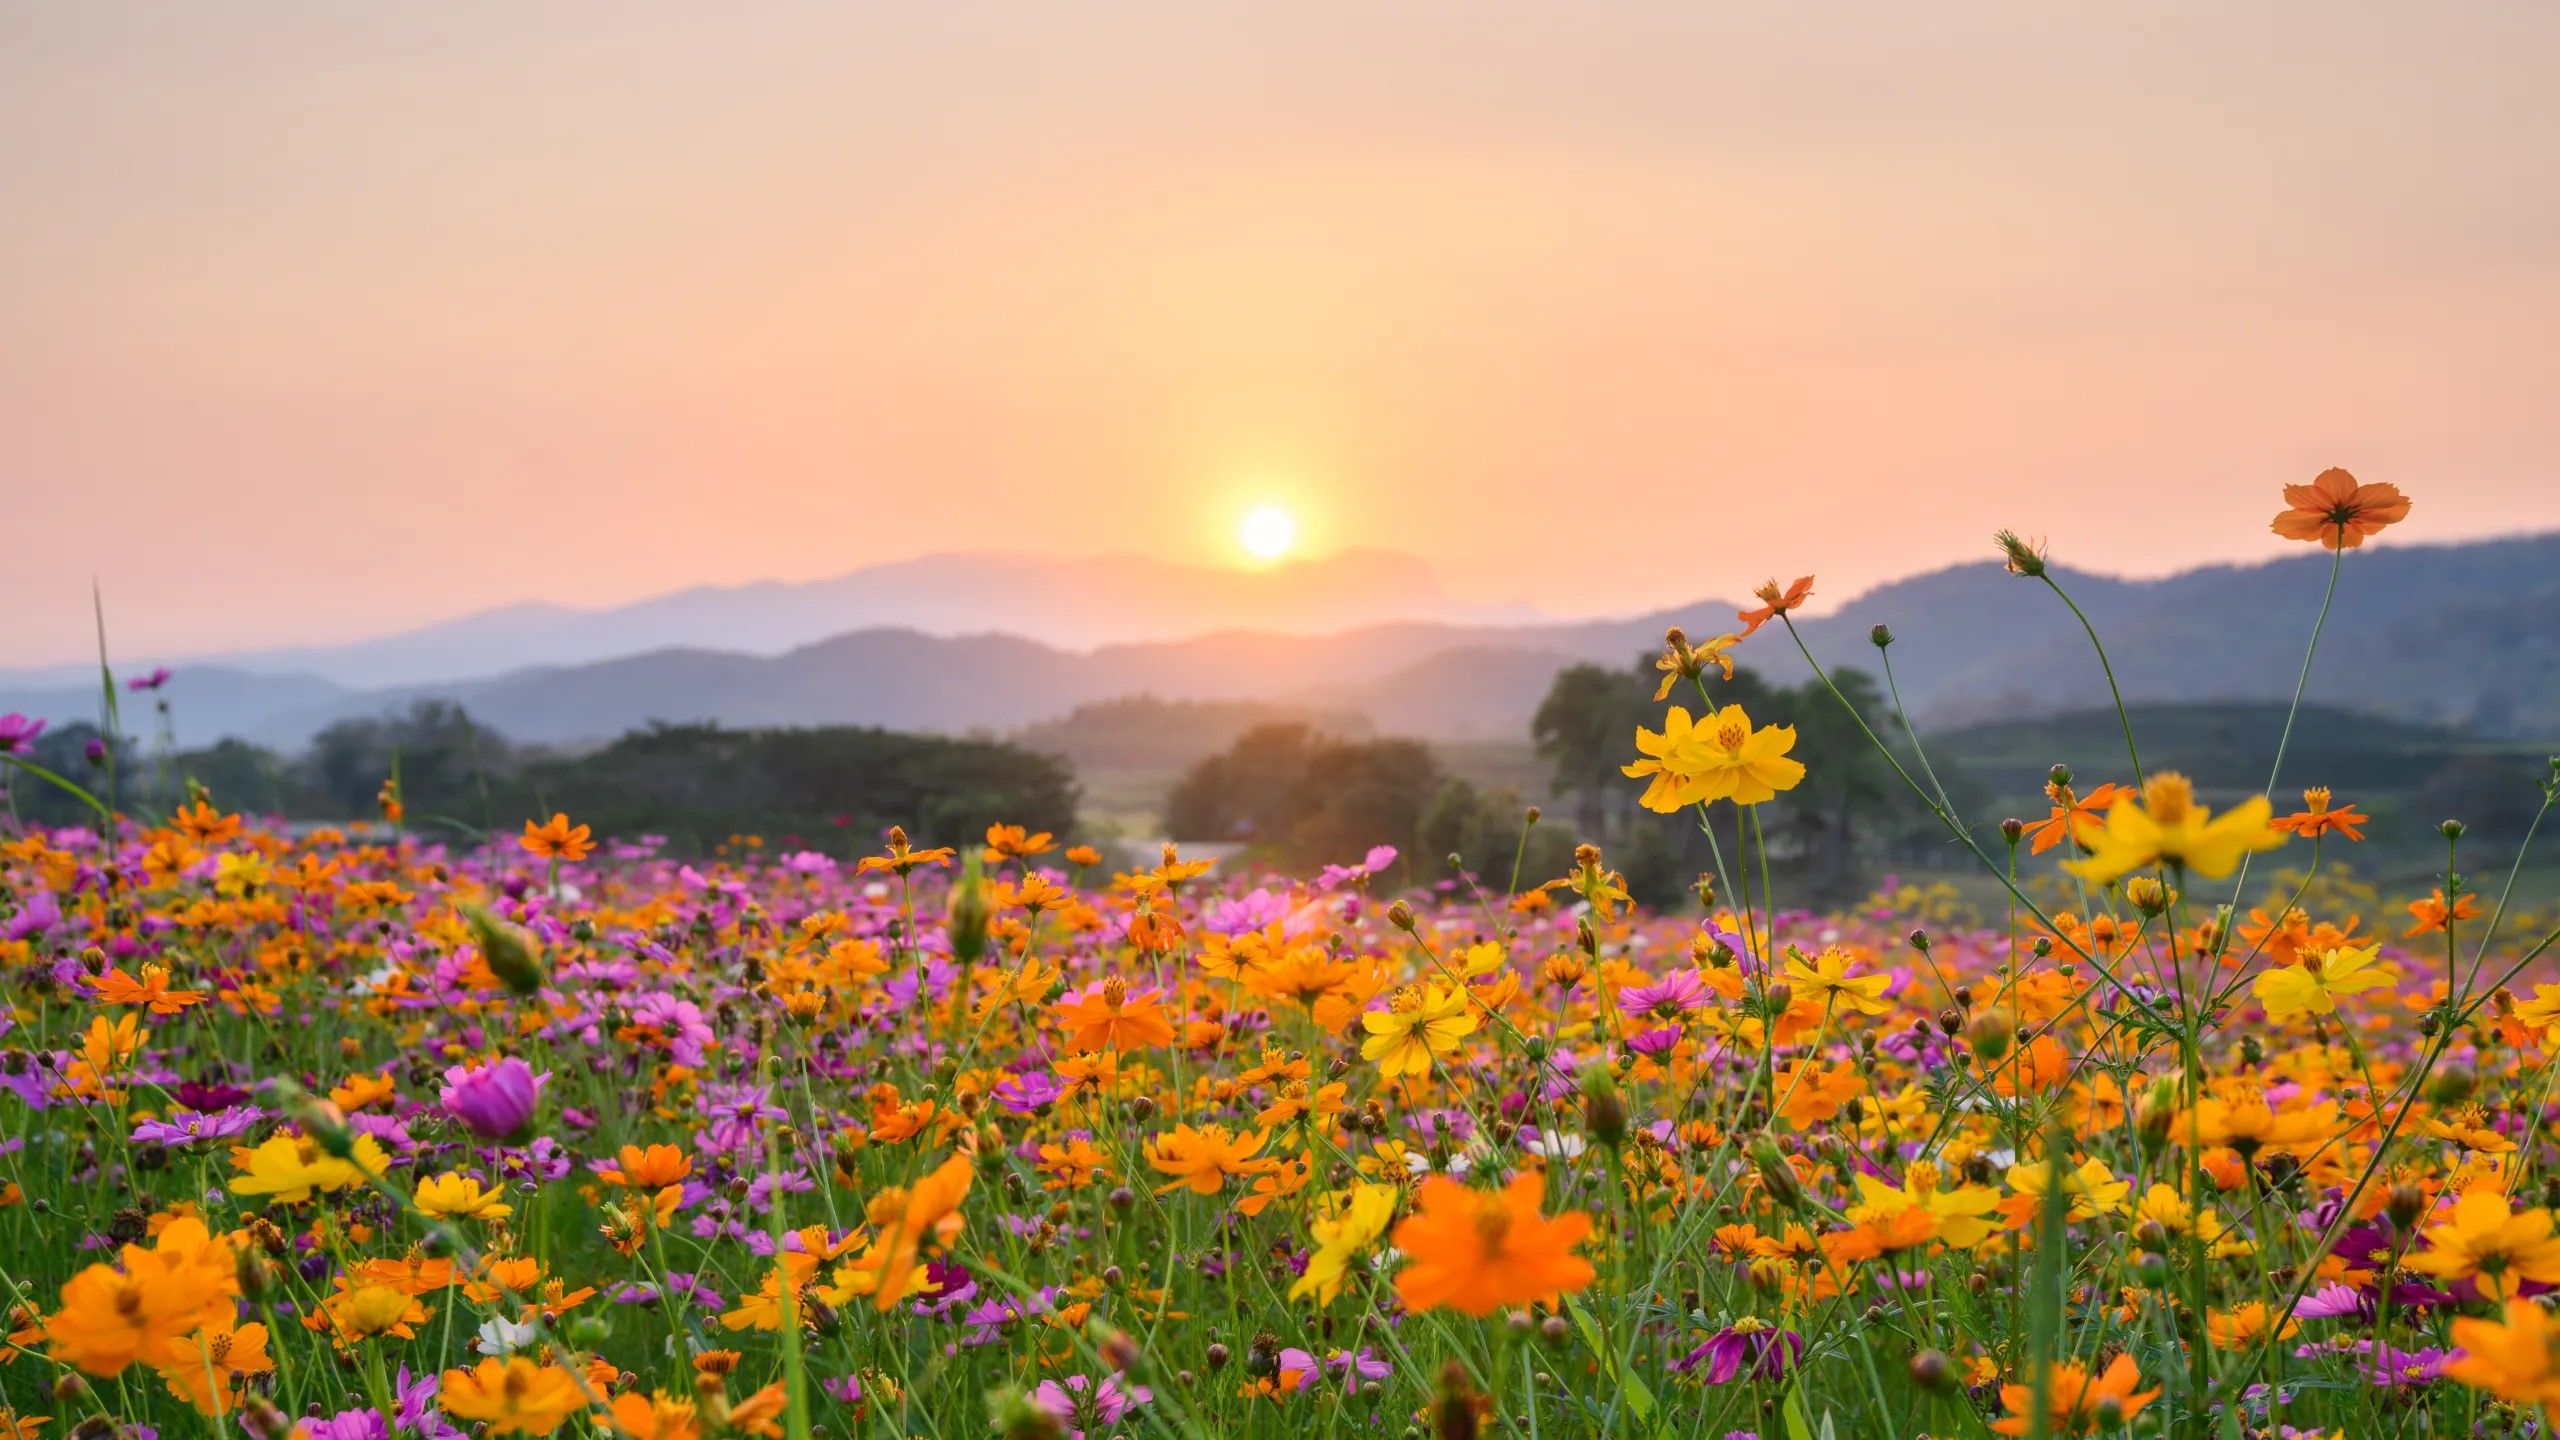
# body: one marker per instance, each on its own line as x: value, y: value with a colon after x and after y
x: 318, y: 320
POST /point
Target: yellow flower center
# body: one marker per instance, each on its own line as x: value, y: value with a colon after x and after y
x: 2168, y: 796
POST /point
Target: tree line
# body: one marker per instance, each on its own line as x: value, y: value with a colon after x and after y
x: 829, y: 788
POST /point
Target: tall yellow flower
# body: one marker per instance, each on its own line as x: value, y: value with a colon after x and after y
x: 456, y: 1196
x: 1724, y: 757
x: 1826, y: 978
x: 1345, y: 1227
x: 2313, y: 987
x: 2481, y: 1239
x: 1417, y: 1026
x: 2167, y: 827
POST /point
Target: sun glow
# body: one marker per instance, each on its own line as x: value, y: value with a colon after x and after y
x: 1267, y: 532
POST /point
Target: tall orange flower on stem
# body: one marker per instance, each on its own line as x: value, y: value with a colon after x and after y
x: 557, y: 839
x: 1773, y: 603
x: 2075, y: 1402
x: 1477, y: 1253
x: 2337, y: 512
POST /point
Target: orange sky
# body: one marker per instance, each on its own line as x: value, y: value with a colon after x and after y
x: 318, y: 320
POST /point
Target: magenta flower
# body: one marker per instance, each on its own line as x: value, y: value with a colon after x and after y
x: 1673, y: 995
x: 1082, y: 1403
x: 1748, y: 1345
x: 17, y: 732
x: 494, y: 1101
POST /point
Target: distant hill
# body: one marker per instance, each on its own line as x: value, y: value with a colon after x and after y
x: 2464, y: 636
x: 1072, y: 603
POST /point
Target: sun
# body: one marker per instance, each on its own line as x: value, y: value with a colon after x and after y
x: 1267, y: 532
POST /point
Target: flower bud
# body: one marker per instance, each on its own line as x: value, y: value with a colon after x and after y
x: 1400, y: 915
x: 506, y: 949
x: 1454, y: 1415
x: 2405, y: 1204
x: 1880, y: 636
x: 1777, y: 1177
x: 1604, y: 1114
x: 966, y: 914
x: 1930, y: 1370
x: 2451, y: 1084
x: 1990, y: 1033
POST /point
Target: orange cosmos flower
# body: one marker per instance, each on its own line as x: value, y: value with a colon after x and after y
x: 202, y: 1370
x: 1773, y: 603
x: 1476, y: 1253
x: 654, y: 1168
x: 1011, y: 842
x: 902, y: 857
x: 111, y: 1318
x: 1202, y: 1159
x: 515, y: 1396
x: 2515, y: 1358
x: 907, y: 1218
x: 2073, y: 1400
x: 2316, y: 819
x: 1108, y: 1017
x: 205, y: 825
x: 557, y: 839
x: 152, y: 989
x: 2339, y: 513
x: 2432, y: 914
x: 2071, y: 811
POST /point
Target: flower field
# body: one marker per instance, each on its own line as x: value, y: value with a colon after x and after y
x: 350, y: 1134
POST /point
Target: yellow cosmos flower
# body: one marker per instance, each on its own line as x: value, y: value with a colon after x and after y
x: 1416, y: 1027
x: 2313, y: 988
x: 1344, y: 1229
x: 2483, y: 1240
x: 1826, y: 978
x: 459, y: 1197
x: 2167, y: 827
x: 294, y: 1168
x: 1723, y: 757
x: 2093, y: 1188
x: 1960, y: 1216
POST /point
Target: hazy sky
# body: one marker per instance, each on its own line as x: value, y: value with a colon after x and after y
x: 321, y: 319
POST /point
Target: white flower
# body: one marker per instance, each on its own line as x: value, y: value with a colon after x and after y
x: 504, y: 1337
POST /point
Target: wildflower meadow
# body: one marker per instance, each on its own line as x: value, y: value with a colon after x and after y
x: 357, y: 1132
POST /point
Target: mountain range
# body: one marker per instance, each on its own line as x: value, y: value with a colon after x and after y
x: 2465, y: 635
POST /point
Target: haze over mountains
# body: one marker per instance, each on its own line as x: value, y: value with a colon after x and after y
x: 2465, y: 635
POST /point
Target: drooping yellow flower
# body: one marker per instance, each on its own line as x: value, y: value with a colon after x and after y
x: 459, y: 1197
x: 2313, y: 987
x: 2167, y: 827
x: 1418, y: 1025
